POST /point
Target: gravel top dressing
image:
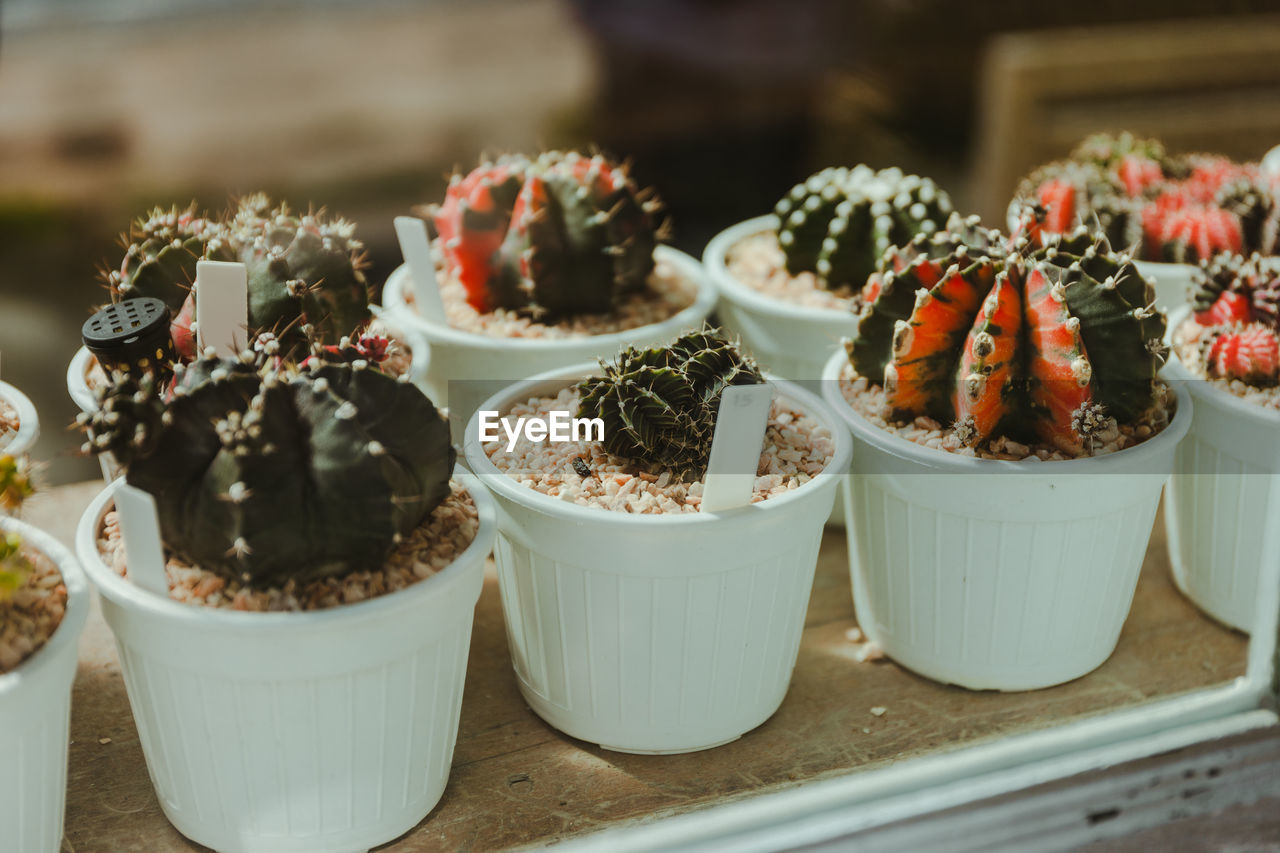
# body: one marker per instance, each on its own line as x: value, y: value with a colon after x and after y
x: 758, y: 262
x: 667, y: 294
x: 868, y: 400
x: 430, y: 548
x: 30, y: 616
x: 797, y: 447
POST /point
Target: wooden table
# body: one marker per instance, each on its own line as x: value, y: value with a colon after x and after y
x: 517, y: 782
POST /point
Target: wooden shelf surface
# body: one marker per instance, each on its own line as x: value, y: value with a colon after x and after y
x: 518, y: 782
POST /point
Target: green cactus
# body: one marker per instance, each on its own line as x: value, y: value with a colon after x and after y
x: 840, y: 221
x: 1048, y: 341
x: 161, y: 252
x: 659, y: 405
x: 15, y: 487
x: 265, y: 471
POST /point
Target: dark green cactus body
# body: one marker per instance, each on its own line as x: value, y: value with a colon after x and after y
x: 1049, y: 340
x: 840, y: 221
x: 265, y: 472
x: 659, y: 406
x: 161, y: 253
x: 302, y: 270
x: 581, y: 236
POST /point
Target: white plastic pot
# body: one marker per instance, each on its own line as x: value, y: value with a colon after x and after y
x: 655, y: 633
x: 35, y: 715
x: 28, y: 420
x: 329, y: 730
x: 991, y: 574
x: 1171, y: 281
x: 790, y: 340
x: 466, y: 368
x: 1217, y: 506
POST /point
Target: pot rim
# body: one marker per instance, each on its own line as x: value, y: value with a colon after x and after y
x: 714, y: 259
x: 73, y: 618
x: 503, y: 485
x: 133, y: 597
x: 28, y: 420
x: 945, y: 461
x: 691, y: 316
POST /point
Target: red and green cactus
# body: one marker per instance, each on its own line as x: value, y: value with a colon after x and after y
x: 1052, y: 341
x: 838, y: 222
x: 1237, y: 299
x: 559, y: 235
x: 1182, y: 209
x: 264, y: 471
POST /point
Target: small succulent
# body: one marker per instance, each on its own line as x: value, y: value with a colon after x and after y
x: 15, y: 487
x: 659, y: 405
x: 1053, y: 340
x: 558, y: 235
x: 838, y: 222
x: 1181, y: 209
x: 1247, y: 352
x: 1237, y: 299
x: 264, y: 470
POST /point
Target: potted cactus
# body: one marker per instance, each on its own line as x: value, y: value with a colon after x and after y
x: 44, y: 601
x: 1219, y: 507
x: 637, y: 620
x: 19, y: 423
x: 324, y: 492
x: 543, y: 263
x: 991, y: 388
x: 1173, y: 210
x: 305, y: 280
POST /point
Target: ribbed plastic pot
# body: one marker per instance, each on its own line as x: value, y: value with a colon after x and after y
x: 28, y: 420
x: 1217, y: 506
x: 82, y: 395
x: 655, y: 633
x: 789, y: 340
x: 330, y: 730
x: 991, y: 574
x: 466, y: 368
x: 35, y: 715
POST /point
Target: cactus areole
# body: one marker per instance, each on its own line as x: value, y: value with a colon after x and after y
x: 1052, y: 340
x: 659, y: 406
x: 559, y: 235
x: 264, y: 471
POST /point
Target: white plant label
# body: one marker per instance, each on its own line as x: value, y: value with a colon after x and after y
x: 735, y: 446
x: 222, y: 306
x: 140, y: 529
x: 416, y: 248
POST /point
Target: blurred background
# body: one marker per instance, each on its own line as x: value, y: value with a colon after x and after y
x: 366, y: 106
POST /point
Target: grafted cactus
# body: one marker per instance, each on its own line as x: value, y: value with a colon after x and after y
x: 838, y: 222
x: 559, y: 235
x: 162, y: 249
x: 265, y: 471
x: 1237, y: 299
x: 659, y: 405
x: 1054, y: 341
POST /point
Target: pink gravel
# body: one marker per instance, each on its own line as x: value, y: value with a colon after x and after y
x: 667, y: 294
x: 797, y: 447
x: 757, y: 261
x: 869, y: 401
x: 33, y: 612
x: 1186, y: 344
x: 435, y: 544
